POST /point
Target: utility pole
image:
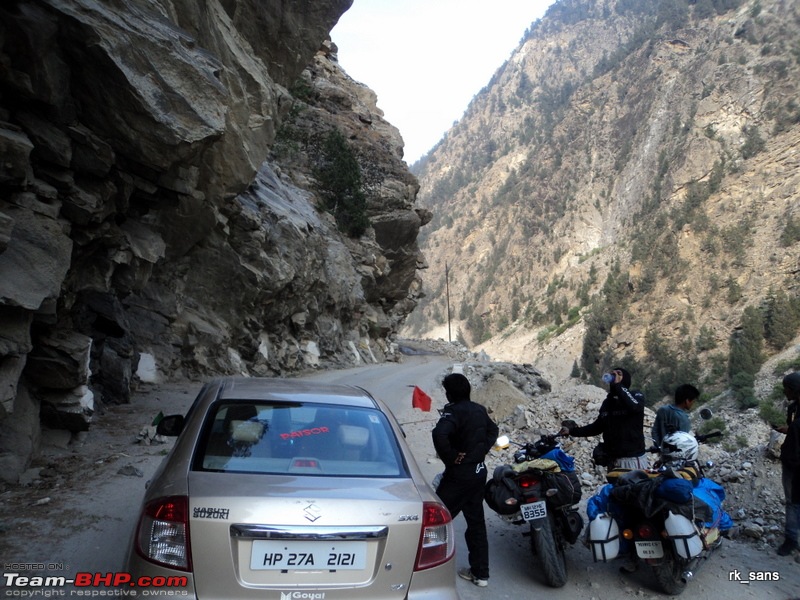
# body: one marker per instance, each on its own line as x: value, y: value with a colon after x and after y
x: 447, y: 288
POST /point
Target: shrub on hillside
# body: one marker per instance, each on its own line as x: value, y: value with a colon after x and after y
x: 339, y: 177
x: 743, y: 389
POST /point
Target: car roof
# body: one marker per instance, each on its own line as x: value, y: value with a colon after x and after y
x: 290, y: 390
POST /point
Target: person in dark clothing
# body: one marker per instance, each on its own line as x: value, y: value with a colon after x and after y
x: 790, y: 464
x: 621, y: 422
x: 462, y: 437
x: 675, y: 417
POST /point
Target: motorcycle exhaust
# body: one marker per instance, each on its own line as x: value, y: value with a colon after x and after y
x: 687, y: 576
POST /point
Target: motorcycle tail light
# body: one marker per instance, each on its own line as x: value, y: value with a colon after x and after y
x: 437, y: 538
x: 163, y: 533
x: 527, y: 482
x: 646, y: 531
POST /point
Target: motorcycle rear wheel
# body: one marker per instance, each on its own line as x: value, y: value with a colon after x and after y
x: 550, y: 551
x: 669, y: 573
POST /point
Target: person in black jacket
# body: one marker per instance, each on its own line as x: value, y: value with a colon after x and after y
x: 621, y: 422
x: 790, y: 464
x: 462, y: 437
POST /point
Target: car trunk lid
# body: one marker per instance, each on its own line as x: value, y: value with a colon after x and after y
x: 251, y: 533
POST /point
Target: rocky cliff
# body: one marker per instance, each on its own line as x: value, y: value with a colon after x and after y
x: 147, y: 228
x: 625, y: 188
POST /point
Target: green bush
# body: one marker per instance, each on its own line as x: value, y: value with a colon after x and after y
x: 753, y: 142
x: 771, y: 413
x: 711, y: 425
x: 339, y: 177
x: 746, y: 344
x: 781, y: 319
x: 705, y: 339
x: 791, y: 232
x: 576, y: 372
x: 791, y: 364
x: 741, y: 442
x: 742, y: 387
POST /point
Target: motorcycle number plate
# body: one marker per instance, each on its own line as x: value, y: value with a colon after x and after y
x: 533, y: 510
x: 649, y: 550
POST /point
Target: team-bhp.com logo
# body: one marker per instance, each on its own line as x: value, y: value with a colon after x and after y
x: 302, y: 595
x: 94, y: 580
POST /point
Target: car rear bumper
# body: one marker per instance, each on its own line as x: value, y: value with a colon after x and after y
x: 439, y: 583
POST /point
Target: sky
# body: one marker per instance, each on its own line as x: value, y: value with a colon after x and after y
x: 426, y: 59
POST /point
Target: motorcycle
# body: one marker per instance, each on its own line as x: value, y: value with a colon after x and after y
x: 671, y: 516
x: 541, y: 490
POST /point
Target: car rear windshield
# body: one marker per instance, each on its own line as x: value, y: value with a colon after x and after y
x: 312, y: 439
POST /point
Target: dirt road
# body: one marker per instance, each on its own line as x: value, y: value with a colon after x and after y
x: 79, y: 515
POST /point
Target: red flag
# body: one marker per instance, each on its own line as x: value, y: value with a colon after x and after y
x: 420, y: 400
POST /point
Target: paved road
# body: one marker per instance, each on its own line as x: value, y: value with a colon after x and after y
x: 85, y: 526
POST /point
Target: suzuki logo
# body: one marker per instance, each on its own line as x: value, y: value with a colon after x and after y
x: 302, y: 595
x: 312, y: 513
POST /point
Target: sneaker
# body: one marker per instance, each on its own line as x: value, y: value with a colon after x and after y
x: 466, y: 573
x: 787, y: 548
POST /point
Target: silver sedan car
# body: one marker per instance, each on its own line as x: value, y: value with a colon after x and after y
x: 286, y: 489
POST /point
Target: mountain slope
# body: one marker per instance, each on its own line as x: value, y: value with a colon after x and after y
x: 625, y: 188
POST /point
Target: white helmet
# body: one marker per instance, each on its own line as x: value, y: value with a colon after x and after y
x: 678, y: 446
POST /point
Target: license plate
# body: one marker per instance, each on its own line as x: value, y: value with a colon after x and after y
x: 308, y: 556
x: 649, y: 549
x: 533, y: 510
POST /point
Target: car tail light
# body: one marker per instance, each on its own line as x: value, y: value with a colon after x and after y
x: 436, y: 542
x: 163, y: 533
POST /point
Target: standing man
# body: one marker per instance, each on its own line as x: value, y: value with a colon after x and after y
x: 621, y: 421
x: 462, y: 438
x: 675, y: 417
x: 790, y: 463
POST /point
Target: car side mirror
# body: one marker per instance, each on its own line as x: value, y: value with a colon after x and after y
x: 171, y: 425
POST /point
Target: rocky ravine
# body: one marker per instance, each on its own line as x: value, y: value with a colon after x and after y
x: 147, y: 228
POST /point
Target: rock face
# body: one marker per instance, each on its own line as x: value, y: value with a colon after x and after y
x: 143, y: 212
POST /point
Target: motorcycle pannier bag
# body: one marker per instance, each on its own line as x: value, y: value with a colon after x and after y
x: 568, y: 486
x: 502, y: 493
x: 604, y: 537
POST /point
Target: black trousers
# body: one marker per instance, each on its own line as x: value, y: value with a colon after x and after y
x: 462, y: 491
